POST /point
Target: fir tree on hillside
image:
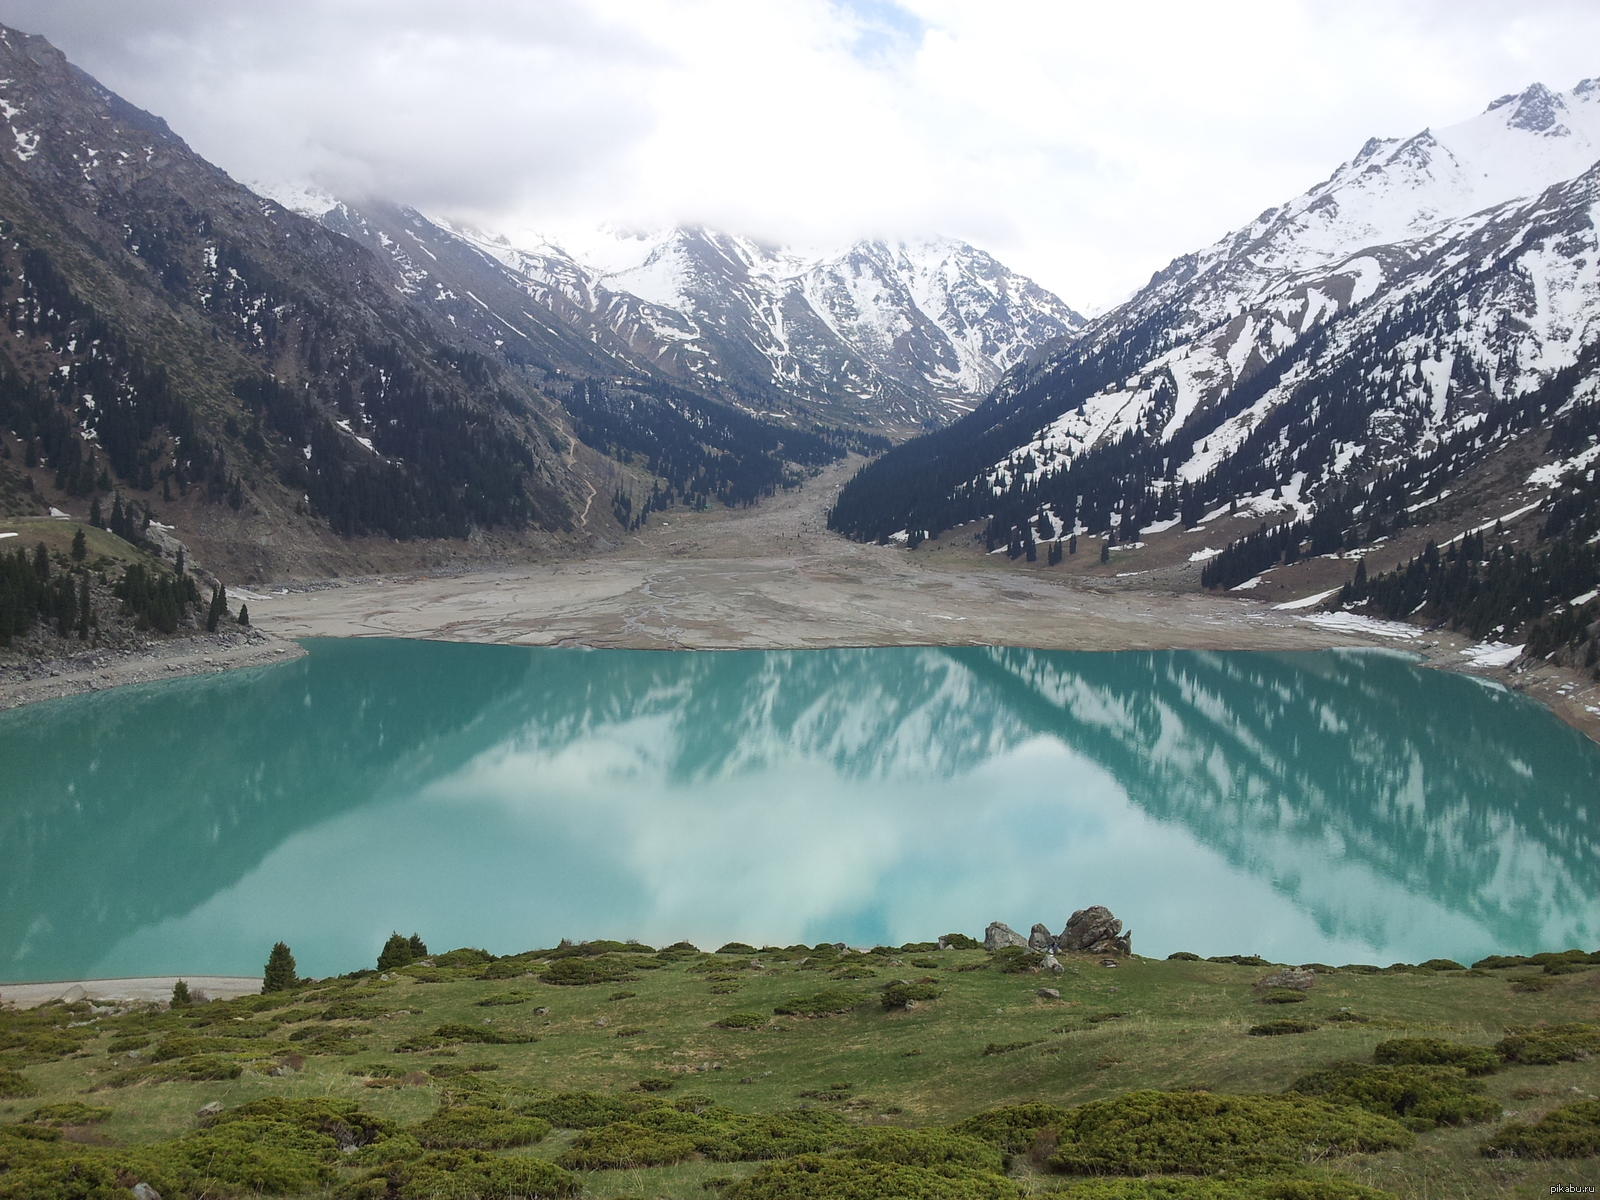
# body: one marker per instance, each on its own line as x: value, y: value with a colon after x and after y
x: 396, y: 952
x: 419, y: 948
x: 180, y: 994
x: 279, y: 975
x: 80, y: 546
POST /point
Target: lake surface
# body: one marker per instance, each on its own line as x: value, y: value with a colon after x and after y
x: 1332, y: 806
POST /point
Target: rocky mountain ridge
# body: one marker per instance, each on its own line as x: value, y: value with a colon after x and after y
x: 883, y: 335
x: 1299, y: 363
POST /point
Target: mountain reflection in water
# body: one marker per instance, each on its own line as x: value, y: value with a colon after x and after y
x: 1330, y: 806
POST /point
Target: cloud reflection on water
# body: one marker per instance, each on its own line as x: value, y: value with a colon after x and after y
x: 1303, y: 807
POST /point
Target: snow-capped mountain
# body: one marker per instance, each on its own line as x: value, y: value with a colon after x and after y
x: 892, y: 335
x: 1368, y: 320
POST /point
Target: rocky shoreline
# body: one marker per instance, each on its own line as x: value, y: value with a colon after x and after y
x: 26, y: 678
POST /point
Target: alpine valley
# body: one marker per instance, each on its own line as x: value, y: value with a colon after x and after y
x: 1413, y: 340
x: 302, y: 395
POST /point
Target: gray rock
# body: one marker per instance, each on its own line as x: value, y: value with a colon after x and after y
x: 209, y: 1110
x: 1040, y: 939
x: 1048, y: 993
x: 1050, y: 964
x: 1289, y: 977
x: 1094, y: 930
x: 143, y: 1191
x: 999, y: 935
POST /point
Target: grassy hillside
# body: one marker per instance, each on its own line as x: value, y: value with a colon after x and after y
x: 474, y: 1076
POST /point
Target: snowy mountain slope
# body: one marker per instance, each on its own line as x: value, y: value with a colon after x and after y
x: 896, y: 336
x: 1360, y: 324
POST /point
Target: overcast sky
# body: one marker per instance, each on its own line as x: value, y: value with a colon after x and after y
x: 1085, y: 144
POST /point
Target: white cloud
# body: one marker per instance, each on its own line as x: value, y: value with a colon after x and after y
x: 1084, y: 143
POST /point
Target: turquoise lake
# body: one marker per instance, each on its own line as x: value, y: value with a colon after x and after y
x: 1332, y: 806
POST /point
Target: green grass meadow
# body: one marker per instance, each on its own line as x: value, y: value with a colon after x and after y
x: 688, y: 1050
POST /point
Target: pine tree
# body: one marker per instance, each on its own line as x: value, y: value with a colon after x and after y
x: 219, y: 607
x: 41, y: 562
x: 80, y: 546
x: 279, y: 975
x: 119, y: 519
x: 419, y: 948
x: 95, y: 517
x: 180, y: 994
x: 396, y: 952
x: 244, y: 614
x: 178, y: 569
x: 1105, y: 552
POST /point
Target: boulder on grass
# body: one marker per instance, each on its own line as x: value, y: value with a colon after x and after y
x: 999, y: 935
x: 1094, y: 930
x: 1296, y: 978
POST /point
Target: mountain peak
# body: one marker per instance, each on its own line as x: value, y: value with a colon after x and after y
x: 1537, y: 110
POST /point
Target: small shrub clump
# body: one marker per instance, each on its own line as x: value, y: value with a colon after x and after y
x: 1012, y: 1127
x: 1299, y: 1186
x: 1281, y: 996
x: 625, y: 1144
x: 1553, y: 1044
x: 463, y: 1175
x: 584, y: 1110
x: 478, y: 1127
x: 743, y: 1020
x: 14, y: 1084
x: 901, y: 995
x: 935, y: 1148
x: 821, y: 1004
x: 1421, y: 1097
x: 69, y: 1112
x: 1197, y: 1133
x: 1571, y: 1131
x: 576, y: 971
x: 1281, y: 1027
x: 1436, y: 1052
x: 1015, y: 960
x: 824, y: 1177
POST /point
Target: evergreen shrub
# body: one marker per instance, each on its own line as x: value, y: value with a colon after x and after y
x: 576, y: 972
x: 1198, y: 1133
x: 625, y: 1144
x: 1552, y: 1044
x: 584, y: 1110
x: 1474, y: 1060
x: 1571, y: 1131
x: 821, y: 1004
x: 1421, y: 1097
x: 478, y: 1127
x: 821, y: 1177
x: 902, y: 995
x: 463, y: 1175
x: 743, y: 1020
x: 1012, y: 1127
x: 14, y: 1084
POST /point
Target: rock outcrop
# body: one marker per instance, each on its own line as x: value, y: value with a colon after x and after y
x: 1289, y: 977
x: 1041, y: 939
x: 1094, y: 930
x: 999, y: 935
